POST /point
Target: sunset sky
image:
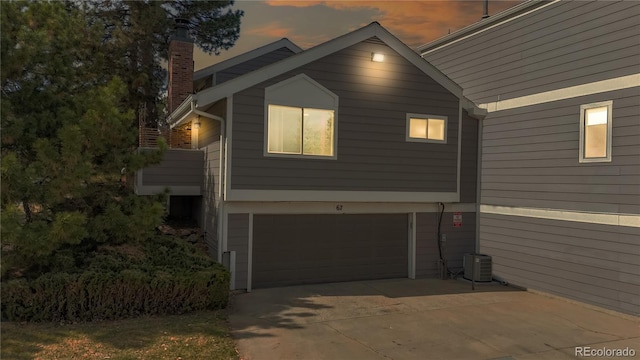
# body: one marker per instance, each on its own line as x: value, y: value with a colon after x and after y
x: 309, y: 22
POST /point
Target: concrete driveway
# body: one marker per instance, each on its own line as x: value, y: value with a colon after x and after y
x: 420, y: 319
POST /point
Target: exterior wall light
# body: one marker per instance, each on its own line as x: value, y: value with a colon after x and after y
x: 196, y: 124
x: 377, y: 57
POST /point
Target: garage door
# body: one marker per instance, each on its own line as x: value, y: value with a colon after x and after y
x: 303, y: 249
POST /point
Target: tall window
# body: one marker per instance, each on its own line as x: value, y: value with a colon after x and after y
x: 426, y: 128
x: 595, y: 132
x: 301, y: 131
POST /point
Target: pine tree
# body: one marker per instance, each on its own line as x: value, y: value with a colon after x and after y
x: 137, y: 34
x: 66, y: 141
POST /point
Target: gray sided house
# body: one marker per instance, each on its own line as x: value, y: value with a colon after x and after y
x: 325, y: 165
x: 560, y: 169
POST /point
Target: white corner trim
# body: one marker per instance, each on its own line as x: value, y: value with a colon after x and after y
x: 341, y: 196
x: 615, y: 219
x: 250, y: 253
x: 619, y: 83
x: 342, y: 208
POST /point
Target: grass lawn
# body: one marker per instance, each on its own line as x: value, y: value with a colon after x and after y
x: 201, y: 335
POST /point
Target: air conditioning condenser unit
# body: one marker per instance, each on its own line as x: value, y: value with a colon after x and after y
x: 478, y: 270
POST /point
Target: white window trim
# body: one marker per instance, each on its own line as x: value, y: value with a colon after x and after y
x: 425, y: 116
x: 300, y: 101
x: 583, y: 108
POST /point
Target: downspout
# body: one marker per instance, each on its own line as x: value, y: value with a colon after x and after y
x: 221, y: 187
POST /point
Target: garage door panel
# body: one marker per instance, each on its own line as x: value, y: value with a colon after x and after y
x: 298, y: 249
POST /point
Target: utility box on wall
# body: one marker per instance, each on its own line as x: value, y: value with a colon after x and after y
x: 478, y: 270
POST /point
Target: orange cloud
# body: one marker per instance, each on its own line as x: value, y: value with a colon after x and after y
x: 414, y: 22
x: 273, y: 30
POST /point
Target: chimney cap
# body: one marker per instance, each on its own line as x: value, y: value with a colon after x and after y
x: 181, y: 30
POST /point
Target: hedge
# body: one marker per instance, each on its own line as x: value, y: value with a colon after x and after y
x: 113, y: 286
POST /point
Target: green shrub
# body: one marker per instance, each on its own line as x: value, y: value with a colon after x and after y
x: 168, y: 277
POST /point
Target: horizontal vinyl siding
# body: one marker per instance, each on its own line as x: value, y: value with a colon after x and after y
x: 459, y: 242
x: 210, y: 129
x: 251, y: 65
x: 594, y: 263
x: 469, y: 159
x: 211, y: 196
x: 372, y: 153
x: 530, y: 157
x: 565, y: 44
x: 177, y: 168
x: 238, y: 241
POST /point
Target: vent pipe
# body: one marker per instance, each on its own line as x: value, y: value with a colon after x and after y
x: 485, y: 13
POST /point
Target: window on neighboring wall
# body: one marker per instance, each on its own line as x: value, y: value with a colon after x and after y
x: 595, y: 132
x: 426, y: 128
x: 301, y: 131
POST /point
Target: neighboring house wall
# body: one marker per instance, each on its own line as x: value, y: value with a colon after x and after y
x: 238, y: 241
x: 550, y: 222
x: 530, y: 157
x: 251, y: 65
x: 564, y: 44
x: 372, y: 152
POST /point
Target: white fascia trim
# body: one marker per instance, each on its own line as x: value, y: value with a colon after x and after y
x: 444, y: 41
x: 619, y: 83
x: 341, y: 196
x: 208, y: 96
x: 265, y: 49
x: 630, y: 220
x: 342, y: 208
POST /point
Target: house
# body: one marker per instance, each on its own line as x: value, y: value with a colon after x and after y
x: 346, y: 161
x: 560, y: 171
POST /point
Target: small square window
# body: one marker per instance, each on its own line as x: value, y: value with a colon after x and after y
x: 595, y: 132
x: 426, y: 128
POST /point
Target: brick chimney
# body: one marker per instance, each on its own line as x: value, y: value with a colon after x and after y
x: 180, y: 65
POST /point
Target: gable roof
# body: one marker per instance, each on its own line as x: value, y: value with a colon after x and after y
x: 208, y: 96
x: 265, y: 49
x: 485, y: 24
